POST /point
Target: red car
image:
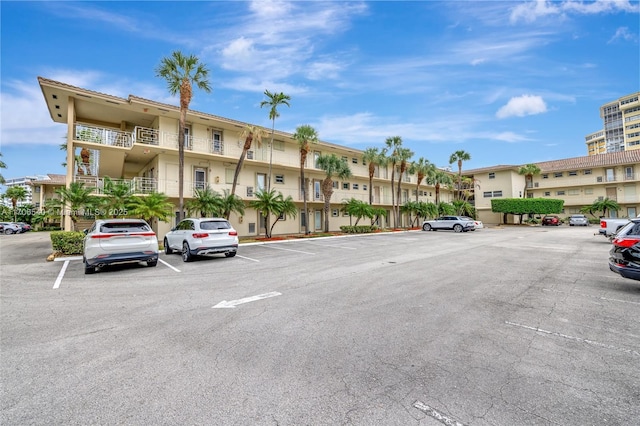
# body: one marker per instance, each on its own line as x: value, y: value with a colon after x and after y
x: 551, y: 220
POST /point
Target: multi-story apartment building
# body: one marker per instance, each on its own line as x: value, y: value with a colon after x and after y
x: 24, y: 182
x: 621, y: 132
x: 578, y: 181
x: 135, y: 140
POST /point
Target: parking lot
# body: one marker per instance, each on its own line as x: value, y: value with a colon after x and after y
x: 501, y: 326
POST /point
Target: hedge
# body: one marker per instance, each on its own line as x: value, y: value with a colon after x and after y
x: 526, y: 205
x: 360, y: 229
x: 67, y: 242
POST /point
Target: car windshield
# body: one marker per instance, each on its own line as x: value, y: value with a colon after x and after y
x: 124, y: 227
x: 213, y: 225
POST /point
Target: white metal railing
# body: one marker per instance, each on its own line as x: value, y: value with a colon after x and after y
x: 103, y: 135
x: 137, y: 185
x: 146, y: 135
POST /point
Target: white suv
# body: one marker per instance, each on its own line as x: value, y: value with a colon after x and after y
x: 111, y: 241
x: 200, y: 236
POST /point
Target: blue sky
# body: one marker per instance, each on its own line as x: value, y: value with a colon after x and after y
x: 508, y: 82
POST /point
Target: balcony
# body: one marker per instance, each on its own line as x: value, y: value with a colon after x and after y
x: 137, y: 185
x: 102, y: 135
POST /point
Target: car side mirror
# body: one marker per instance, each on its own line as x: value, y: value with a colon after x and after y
x: 85, y: 231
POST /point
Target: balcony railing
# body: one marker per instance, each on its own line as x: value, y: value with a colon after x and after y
x: 137, y: 185
x: 102, y: 135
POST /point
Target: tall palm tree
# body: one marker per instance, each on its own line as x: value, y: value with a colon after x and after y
x: 285, y: 207
x: 459, y: 157
x: 528, y: 170
x: 150, y: 206
x: 438, y: 177
x: 181, y: 72
x: 76, y: 197
x: 305, y: 135
x: 15, y: 194
x: 393, y: 143
x: 419, y: 168
x: 250, y: 133
x: 118, y: 194
x: 332, y: 166
x: 274, y: 99
x: 374, y: 159
x: 404, y: 155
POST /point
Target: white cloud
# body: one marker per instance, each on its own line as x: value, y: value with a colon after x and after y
x: 624, y: 34
x: 531, y: 11
x: 521, y: 106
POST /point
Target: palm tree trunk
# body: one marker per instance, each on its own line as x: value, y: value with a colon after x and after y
x: 237, y: 172
x: 327, y: 191
x: 393, y: 196
x: 303, y: 184
x: 183, y: 117
x: 273, y: 129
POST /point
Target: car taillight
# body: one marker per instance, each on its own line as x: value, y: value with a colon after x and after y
x: 126, y: 234
x: 625, y: 242
x: 233, y: 233
x: 603, y: 224
x: 200, y: 235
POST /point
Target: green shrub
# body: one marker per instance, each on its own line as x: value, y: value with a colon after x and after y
x: 360, y: 229
x: 67, y: 242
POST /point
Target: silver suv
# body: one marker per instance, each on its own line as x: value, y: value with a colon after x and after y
x: 456, y: 223
x: 200, y: 236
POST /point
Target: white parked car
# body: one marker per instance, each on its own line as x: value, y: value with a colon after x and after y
x: 200, y: 236
x: 477, y: 223
x: 112, y: 241
x: 456, y: 223
x: 578, y: 220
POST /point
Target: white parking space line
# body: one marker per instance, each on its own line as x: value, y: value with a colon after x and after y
x: 60, y: 275
x: 430, y: 411
x: 590, y: 295
x: 575, y: 339
x: 169, y: 266
x: 280, y: 248
x: 247, y: 258
x: 333, y: 245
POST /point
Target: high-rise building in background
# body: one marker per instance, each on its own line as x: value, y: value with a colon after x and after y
x: 621, y: 131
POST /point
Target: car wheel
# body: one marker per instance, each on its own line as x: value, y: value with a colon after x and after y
x: 167, y: 249
x: 186, y: 252
x: 426, y: 227
x: 8, y: 231
x: 88, y: 269
x: 230, y: 254
x: 152, y: 263
x: 457, y: 227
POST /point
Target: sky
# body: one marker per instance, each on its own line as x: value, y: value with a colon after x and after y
x: 510, y: 82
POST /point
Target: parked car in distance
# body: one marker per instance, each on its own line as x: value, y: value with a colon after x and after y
x: 477, y: 224
x: 25, y: 226
x: 200, y: 236
x: 578, y: 220
x: 114, y: 241
x: 624, y: 256
x: 456, y: 223
x: 549, y: 220
x: 9, y: 228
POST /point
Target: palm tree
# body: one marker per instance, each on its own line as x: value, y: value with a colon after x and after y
x: 420, y: 169
x: 373, y: 158
x: 275, y: 99
x: 2, y: 166
x: 438, y: 177
x: 305, y: 135
x: 404, y: 155
x: 459, y: 156
x: 266, y: 203
x: 605, y: 205
x: 181, y: 72
x: 118, y: 194
x: 153, y: 205
x: 528, y: 171
x: 249, y: 133
x: 358, y: 209
x: 15, y: 194
x: 285, y: 207
x: 332, y: 166
x: 231, y: 203
x: 76, y: 197
x: 393, y: 143
x: 207, y: 202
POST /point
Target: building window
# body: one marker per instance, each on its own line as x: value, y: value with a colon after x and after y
x: 573, y: 192
x: 228, y: 176
x: 278, y: 145
x: 492, y: 194
x: 486, y: 194
x: 545, y: 176
x: 497, y: 194
x: 356, y: 186
x: 344, y: 159
x: 557, y: 174
x: 199, y: 178
x: 335, y: 184
x: 345, y: 185
x: 364, y: 187
x: 492, y: 175
x: 280, y: 179
x: 559, y: 192
x: 354, y: 160
x: 573, y: 173
x: 547, y: 193
x: 587, y: 171
x: 588, y: 191
x: 335, y: 212
x: 316, y: 155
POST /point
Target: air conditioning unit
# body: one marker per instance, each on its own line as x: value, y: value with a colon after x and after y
x: 249, y: 155
x: 599, y: 179
x: 536, y: 184
x: 249, y: 190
